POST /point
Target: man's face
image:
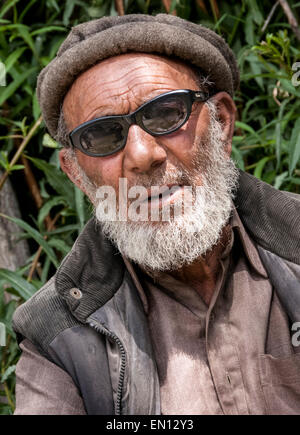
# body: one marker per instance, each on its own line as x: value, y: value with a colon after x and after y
x: 119, y: 86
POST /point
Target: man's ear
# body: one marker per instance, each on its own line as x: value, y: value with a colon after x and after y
x: 226, y: 112
x: 71, y: 169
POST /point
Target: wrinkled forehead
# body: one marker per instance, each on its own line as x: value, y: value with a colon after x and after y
x: 126, y: 80
x: 150, y: 63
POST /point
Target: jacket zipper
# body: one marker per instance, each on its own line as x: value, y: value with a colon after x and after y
x: 99, y: 328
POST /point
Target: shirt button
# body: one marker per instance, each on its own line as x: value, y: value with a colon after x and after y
x: 75, y: 293
x: 212, y: 317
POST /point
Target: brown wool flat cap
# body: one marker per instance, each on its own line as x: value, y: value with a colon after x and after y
x: 95, y: 40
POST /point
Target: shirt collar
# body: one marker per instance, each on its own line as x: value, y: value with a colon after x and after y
x: 249, y: 247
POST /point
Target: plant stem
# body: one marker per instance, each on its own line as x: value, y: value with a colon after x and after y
x: 8, y: 396
x: 20, y: 150
x: 202, y: 6
x: 39, y: 251
x: 120, y: 7
x: 250, y: 166
x: 291, y: 18
x: 269, y: 17
x: 6, y: 389
x: 34, y: 188
x: 215, y: 9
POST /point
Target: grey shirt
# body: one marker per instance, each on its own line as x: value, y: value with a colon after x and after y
x: 232, y: 357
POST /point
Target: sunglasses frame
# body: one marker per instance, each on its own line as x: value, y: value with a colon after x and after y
x: 135, y: 118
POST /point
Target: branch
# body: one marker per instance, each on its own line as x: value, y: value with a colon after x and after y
x: 291, y: 18
x: 32, y: 184
x: 8, y: 396
x: 20, y: 150
x: 34, y: 264
x: 13, y: 136
x: 34, y: 188
x: 215, y: 9
x: 120, y: 7
x: 269, y: 17
x: 202, y: 6
x: 39, y: 251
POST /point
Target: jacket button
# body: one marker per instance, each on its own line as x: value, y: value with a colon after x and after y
x: 76, y: 293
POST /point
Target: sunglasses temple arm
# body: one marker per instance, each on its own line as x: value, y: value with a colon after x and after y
x: 200, y: 96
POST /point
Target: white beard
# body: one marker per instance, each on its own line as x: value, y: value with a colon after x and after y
x: 166, y: 246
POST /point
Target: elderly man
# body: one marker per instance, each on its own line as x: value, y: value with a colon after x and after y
x: 195, y: 313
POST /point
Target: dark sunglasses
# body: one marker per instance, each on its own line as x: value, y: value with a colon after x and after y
x: 162, y: 115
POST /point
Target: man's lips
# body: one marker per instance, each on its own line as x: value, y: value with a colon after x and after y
x: 159, y: 195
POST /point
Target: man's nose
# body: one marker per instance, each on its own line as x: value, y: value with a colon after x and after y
x: 143, y: 152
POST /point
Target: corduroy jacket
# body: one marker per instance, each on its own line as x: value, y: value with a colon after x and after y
x: 90, y: 310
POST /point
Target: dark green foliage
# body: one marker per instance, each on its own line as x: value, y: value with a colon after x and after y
x: 266, y: 141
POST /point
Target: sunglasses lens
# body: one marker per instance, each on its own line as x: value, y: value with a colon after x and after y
x: 103, y: 138
x: 165, y: 114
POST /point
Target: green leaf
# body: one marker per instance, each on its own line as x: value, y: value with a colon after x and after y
x: 280, y: 179
x: 7, y: 373
x: 45, y: 271
x: 35, y: 235
x: 1, y: 296
x: 249, y: 29
x: 5, y: 409
x: 7, y: 6
x: 218, y: 23
x: 26, y: 9
x: 256, y: 68
x: 68, y: 11
x: 57, y: 179
x: 10, y: 308
x: 237, y: 157
x: 8, y: 91
x: 295, y: 180
x: 278, y: 132
x: 24, y: 33
x: 254, y: 9
x: 287, y: 86
x: 36, y: 110
x: 60, y: 245
x: 64, y: 229
x: 246, y: 127
x: 173, y: 6
x: 54, y: 5
x: 13, y: 57
x: 260, y: 166
x: 48, y: 29
x: 49, y: 142
x: 294, y: 150
x: 79, y: 201
x: 4, y: 165
x: 16, y: 167
x: 45, y: 209
x: 23, y: 287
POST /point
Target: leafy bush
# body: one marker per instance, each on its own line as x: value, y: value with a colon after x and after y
x: 266, y: 141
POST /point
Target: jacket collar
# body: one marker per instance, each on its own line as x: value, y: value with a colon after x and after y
x: 270, y: 216
x: 91, y: 273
